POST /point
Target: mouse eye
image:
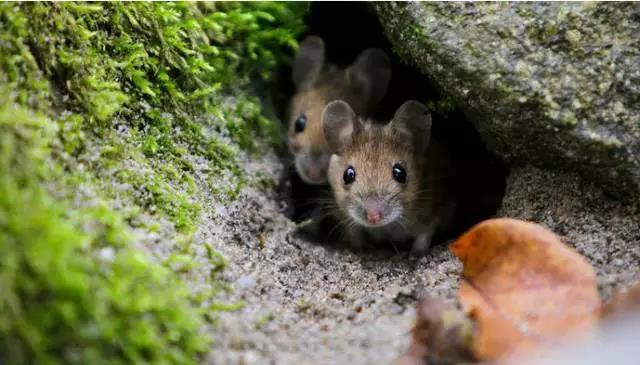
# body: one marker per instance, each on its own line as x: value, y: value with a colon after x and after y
x: 349, y: 175
x: 399, y: 174
x: 300, y: 123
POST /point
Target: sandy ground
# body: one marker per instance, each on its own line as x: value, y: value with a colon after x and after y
x: 316, y: 303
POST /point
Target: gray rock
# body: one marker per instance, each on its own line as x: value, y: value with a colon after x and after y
x: 555, y: 85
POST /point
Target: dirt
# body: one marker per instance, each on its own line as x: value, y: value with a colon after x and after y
x: 606, y: 232
x: 309, y: 302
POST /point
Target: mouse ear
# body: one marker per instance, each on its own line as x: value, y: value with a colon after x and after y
x: 414, y: 118
x: 370, y: 74
x: 339, y: 123
x: 308, y: 62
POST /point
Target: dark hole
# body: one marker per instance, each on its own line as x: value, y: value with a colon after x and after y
x: 348, y: 29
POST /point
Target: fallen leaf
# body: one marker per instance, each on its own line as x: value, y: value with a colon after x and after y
x: 442, y: 334
x: 525, y: 288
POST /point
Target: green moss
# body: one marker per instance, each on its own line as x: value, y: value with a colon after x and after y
x: 156, y: 68
x: 217, y: 261
x: 72, y: 295
x: 107, y: 112
x: 264, y: 181
x: 442, y: 106
x: 264, y: 320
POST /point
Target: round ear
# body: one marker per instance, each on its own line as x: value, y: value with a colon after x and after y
x: 370, y: 74
x: 339, y: 123
x: 309, y: 62
x: 414, y: 117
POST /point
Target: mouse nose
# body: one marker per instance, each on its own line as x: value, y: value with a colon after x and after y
x: 315, y: 171
x: 314, y: 174
x: 373, y: 211
x: 374, y: 216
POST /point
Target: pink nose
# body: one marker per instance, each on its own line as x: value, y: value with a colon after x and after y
x: 314, y: 174
x: 373, y: 216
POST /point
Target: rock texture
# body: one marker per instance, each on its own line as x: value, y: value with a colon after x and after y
x: 555, y: 85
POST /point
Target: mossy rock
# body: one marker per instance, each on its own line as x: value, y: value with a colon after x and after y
x: 554, y: 85
x: 116, y: 120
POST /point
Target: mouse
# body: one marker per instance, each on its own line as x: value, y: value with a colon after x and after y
x: 362, y: 84
x: 391, y: 182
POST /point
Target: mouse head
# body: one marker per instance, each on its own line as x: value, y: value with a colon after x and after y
x: 375, y: 171
x: 362, y: 84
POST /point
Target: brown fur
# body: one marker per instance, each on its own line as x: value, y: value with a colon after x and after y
x: 362, y: 85
x: 311, y: 101
x: 426, y: 201
x: 373, y: 153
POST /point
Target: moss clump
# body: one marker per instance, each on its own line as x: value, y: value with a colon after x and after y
x: 71, y: 295
x: 162, y: 73
x: 108, y: 114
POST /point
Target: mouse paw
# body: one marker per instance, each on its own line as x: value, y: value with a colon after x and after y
x: 421, y: 245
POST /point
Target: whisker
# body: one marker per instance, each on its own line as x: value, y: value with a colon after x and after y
x: 341, y: 223
x: 403, y: 223
x: 394, y: 247
x: 422, y: 191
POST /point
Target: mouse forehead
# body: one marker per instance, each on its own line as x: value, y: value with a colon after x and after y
x: 309, y: 102
x: 375, y: 150
x: 331, y: 86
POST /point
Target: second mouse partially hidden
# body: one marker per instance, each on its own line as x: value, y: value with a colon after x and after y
x: 362, y: 85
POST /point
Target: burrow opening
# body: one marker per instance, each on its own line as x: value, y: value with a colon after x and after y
x: 348, y: 28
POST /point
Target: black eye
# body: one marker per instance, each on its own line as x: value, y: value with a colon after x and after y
x: 300, y: 123
x: 349, y: 175
x: 399, y: 174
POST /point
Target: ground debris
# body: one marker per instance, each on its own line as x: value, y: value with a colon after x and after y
x: 442, y: 335
x: 523, y: 292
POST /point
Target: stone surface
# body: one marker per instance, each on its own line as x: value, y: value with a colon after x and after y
x: 556, y: 85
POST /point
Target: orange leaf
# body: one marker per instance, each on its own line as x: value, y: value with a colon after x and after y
x: 525, y: 288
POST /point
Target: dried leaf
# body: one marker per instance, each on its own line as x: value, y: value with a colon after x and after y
x: 442, y: 334
x: 525, y: 288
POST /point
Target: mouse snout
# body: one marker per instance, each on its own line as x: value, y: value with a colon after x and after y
x: 315, y: 174
x: 373, y: 211
x: 373, y: 215
x: 312, y: 168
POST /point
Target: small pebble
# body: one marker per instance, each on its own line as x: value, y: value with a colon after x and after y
x: 107, y: 254
x: 245, y: 282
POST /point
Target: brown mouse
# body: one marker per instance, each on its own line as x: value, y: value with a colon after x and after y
x: 362, y: 85
x: 391, y: 182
